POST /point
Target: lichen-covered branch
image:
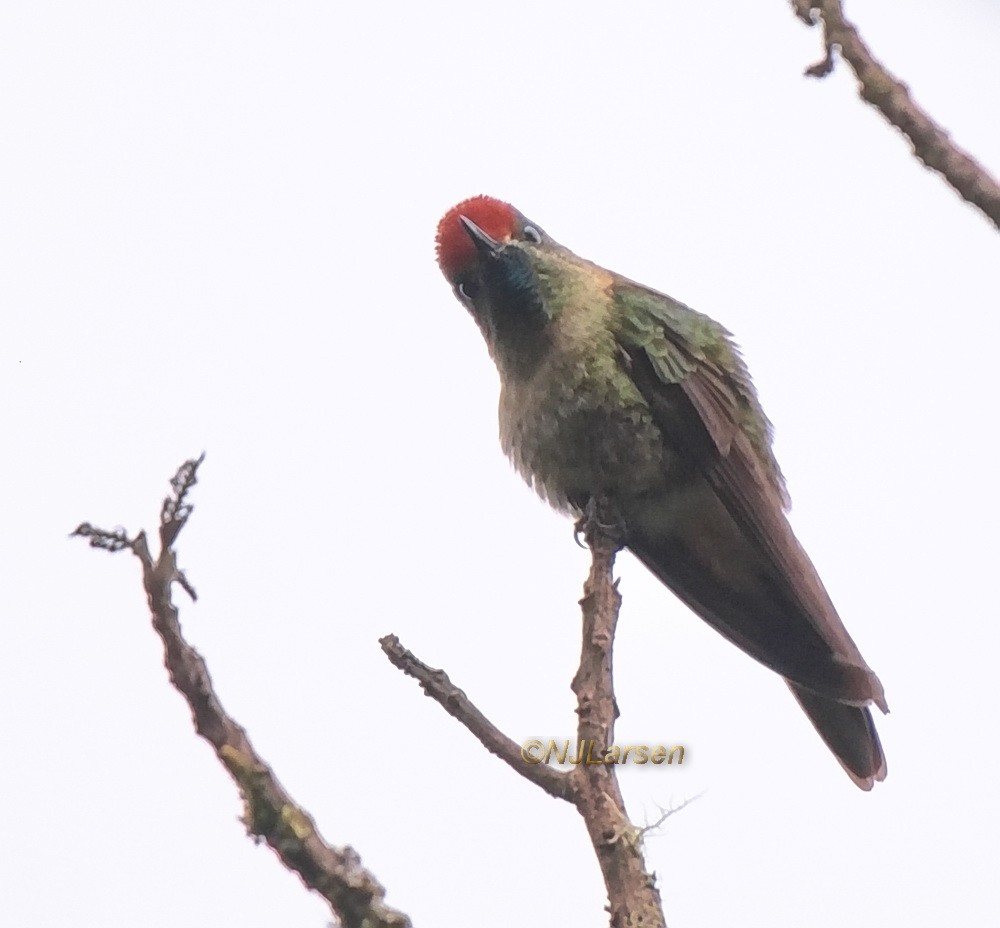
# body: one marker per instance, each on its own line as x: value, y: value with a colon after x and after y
x: 355, y: 897
x: 591, y: 786
x: 891, y: 97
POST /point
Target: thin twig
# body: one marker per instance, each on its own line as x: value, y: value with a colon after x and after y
x: 354, y: 895
x: 666, y: 813
x: 435, y: 683
x: 891, y: 97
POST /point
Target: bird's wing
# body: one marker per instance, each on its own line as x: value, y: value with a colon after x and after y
x: 701, y: 397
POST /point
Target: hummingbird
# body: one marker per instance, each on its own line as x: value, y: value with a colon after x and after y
x: 610, y: 390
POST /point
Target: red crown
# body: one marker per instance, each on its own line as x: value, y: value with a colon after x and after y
x: 455, y: 250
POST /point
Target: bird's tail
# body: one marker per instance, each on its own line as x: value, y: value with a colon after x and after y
x: 848, y: 731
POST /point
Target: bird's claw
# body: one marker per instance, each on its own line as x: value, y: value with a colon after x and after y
x: 601, y: 518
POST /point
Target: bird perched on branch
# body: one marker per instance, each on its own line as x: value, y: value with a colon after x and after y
x: 613, y: 391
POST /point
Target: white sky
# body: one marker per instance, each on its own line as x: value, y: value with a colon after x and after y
x: 216, y: 229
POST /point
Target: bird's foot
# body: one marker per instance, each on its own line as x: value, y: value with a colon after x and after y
x: 601, y: 520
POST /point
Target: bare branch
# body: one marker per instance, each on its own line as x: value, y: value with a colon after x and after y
x: 891, y: 97
x: 435, y: 683
x: 632, y: 893
x: 270, y: 814
x: 592, y: 786
x: 175, y: 510
x: 666, y: 813
x: 114, y: 541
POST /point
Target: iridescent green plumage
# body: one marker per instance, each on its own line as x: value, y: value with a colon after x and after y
x: 611, y: 390
x: 682, y: 345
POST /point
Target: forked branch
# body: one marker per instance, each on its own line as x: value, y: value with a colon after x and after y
x: 355, y: 897
x: 591, y: 786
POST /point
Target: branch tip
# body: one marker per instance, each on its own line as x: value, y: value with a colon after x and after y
x: 822, y: 68
x: 176, y: 510
x: 891, y: 97
x: 354, y: 895
x: 115, y: 540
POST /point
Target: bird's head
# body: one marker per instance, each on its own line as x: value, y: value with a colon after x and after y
x: 476, y: 232
x: 491, y: 255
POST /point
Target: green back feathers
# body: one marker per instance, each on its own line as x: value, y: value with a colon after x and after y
x: 688, y: 348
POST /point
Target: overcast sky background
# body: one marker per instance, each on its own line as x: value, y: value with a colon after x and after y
x: 216, y: 233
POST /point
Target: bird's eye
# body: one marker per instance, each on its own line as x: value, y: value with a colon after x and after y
x: 531, y: 234
x: 467, y: 291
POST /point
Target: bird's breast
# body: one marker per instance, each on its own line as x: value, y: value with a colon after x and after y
x: 577, y: 430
